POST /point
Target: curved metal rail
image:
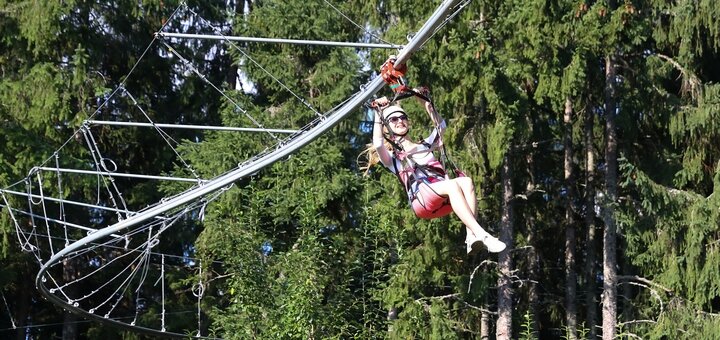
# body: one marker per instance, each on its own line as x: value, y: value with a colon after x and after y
x: 291, y: 145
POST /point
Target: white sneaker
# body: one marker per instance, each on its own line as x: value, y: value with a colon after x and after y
x: 475, y: 244
x: 493, y: 244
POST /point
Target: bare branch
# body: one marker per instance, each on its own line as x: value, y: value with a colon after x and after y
x: 644, y: 280
x: 455, y: 296
x: 690, y: 82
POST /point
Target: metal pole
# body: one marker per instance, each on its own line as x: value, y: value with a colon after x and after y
x: 184, y: 126
x: 277, y: 41
x: 72, y: 225
x: 58, y: 200
x: 118, y: 174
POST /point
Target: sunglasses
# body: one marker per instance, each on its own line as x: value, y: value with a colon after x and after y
x: 396, y: 119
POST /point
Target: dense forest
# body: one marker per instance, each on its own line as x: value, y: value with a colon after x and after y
x: 590, y: 130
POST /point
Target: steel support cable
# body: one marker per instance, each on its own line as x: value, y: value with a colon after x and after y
x: 25, y: 245
x: 52, y: 199
x: 99, y: 162
x: 61, y: 194
x: 320, y: 126
x: 189, y: 126
x: 134, y: 266
x: 356, y: 24
x: 49, y: 219
x: 284, y: 41
x: 33, y: 233
x: 44, y: 209
x: 117, y: 293
x: 12, y: 320
x: 199, y: 292
x: 246, y: 55
x: 204, y: 78
x: 451, y: 16
x: 167, y: 138
x: 279, y: 41
x: 143, y: 277
x: 121, y: 174
x: 143, y: 261
x: 161, y: 279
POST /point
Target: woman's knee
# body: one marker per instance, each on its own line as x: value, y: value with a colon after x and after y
x: 447, y: 187
x: 465, y: 183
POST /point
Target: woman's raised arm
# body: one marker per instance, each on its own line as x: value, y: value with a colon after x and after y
x: 378, y: 139
x: 434, y: 115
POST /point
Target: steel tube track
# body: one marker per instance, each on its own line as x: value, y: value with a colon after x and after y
x: 247, y: 169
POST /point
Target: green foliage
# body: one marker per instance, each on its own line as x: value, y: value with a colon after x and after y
x: 500, y: 136
x: 696, y: 126
x: 684, y: 321
x: 527, y: 332
x: 672, y: 235
x: 309, y: 248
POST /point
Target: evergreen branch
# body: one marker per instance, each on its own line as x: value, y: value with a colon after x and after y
x: 645, y: 283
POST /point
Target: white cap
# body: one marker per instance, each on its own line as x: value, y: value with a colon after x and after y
x: 391, y: 110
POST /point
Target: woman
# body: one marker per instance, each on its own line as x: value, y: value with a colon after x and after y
x: 430, y: 192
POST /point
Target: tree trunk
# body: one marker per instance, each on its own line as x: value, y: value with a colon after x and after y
x: 22, y: 303
x: 534, y: 275
x: 533, y: 260
x: 609, y: 303
x: 485, y: 326
x: 570, y: 273
x: 504, y: 322
x: 591, y: 242
x: 628, y: 292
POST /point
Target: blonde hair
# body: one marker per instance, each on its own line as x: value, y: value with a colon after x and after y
x: 369, y: 156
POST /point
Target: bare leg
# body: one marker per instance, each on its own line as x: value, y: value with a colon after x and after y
x: 468, y: 189
x: 461, y: 194
x: 458, y: 200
